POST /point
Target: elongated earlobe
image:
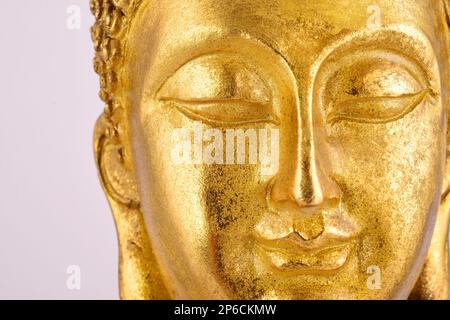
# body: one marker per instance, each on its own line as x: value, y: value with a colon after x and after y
x: 139, y: 274
x: 117, y: 178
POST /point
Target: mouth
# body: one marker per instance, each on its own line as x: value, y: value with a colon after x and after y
x: 289, y: 254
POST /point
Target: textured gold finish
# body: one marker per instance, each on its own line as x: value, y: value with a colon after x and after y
x: 354, y: 97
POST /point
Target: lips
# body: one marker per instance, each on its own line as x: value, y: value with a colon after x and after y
x: 280, y: 241
x: 292, y: 254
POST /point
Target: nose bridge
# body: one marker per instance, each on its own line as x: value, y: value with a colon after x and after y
x: 300, y: 180
x: 307, y: 189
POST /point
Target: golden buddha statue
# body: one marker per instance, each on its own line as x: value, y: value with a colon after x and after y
x: 353, y: 96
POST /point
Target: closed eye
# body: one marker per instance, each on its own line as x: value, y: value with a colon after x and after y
x: 376, y: 109
x: 373, y: 87
x: 219, y: 89
x: 224, y: 112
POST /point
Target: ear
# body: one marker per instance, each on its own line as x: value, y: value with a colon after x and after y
x: 139, y: 274
x: 433, y: 282
x: 115, y: 173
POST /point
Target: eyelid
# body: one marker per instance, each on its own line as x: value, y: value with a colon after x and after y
x: 387, y: 86
x: 219, y: 88
x: 217, y: 76
x: 377, y: 109
x: 225, y: 112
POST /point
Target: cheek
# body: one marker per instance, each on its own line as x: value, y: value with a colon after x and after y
x: 195, y: 209
x: 390, y: 176
x: 171, y: 198
x: 233, y: 198
x: 234, y: 201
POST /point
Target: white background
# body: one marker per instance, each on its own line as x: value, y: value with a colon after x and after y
x: 53, y: 213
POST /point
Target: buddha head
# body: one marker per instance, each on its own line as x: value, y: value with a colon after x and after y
x: 346, y: 100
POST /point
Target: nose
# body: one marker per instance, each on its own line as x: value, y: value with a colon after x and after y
x: 303, y: 182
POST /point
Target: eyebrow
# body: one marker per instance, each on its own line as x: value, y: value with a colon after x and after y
x: 348, y: 40
x: 412, y: 33
x: 227, y: 44
x: 395, y: 30
x: 257, y: 43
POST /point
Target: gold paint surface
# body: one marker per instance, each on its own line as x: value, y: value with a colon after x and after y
x: 353, y: 99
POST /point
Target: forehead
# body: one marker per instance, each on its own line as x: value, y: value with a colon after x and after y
x: 279, y: 22
x: 167, y: 30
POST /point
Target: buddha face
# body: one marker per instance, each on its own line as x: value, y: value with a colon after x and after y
x: 352, y: 98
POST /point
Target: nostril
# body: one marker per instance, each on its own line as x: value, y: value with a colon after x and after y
x: 309, y: 227
x: 277, y: 190
x: 278, y: 198
x: 284, y: 194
